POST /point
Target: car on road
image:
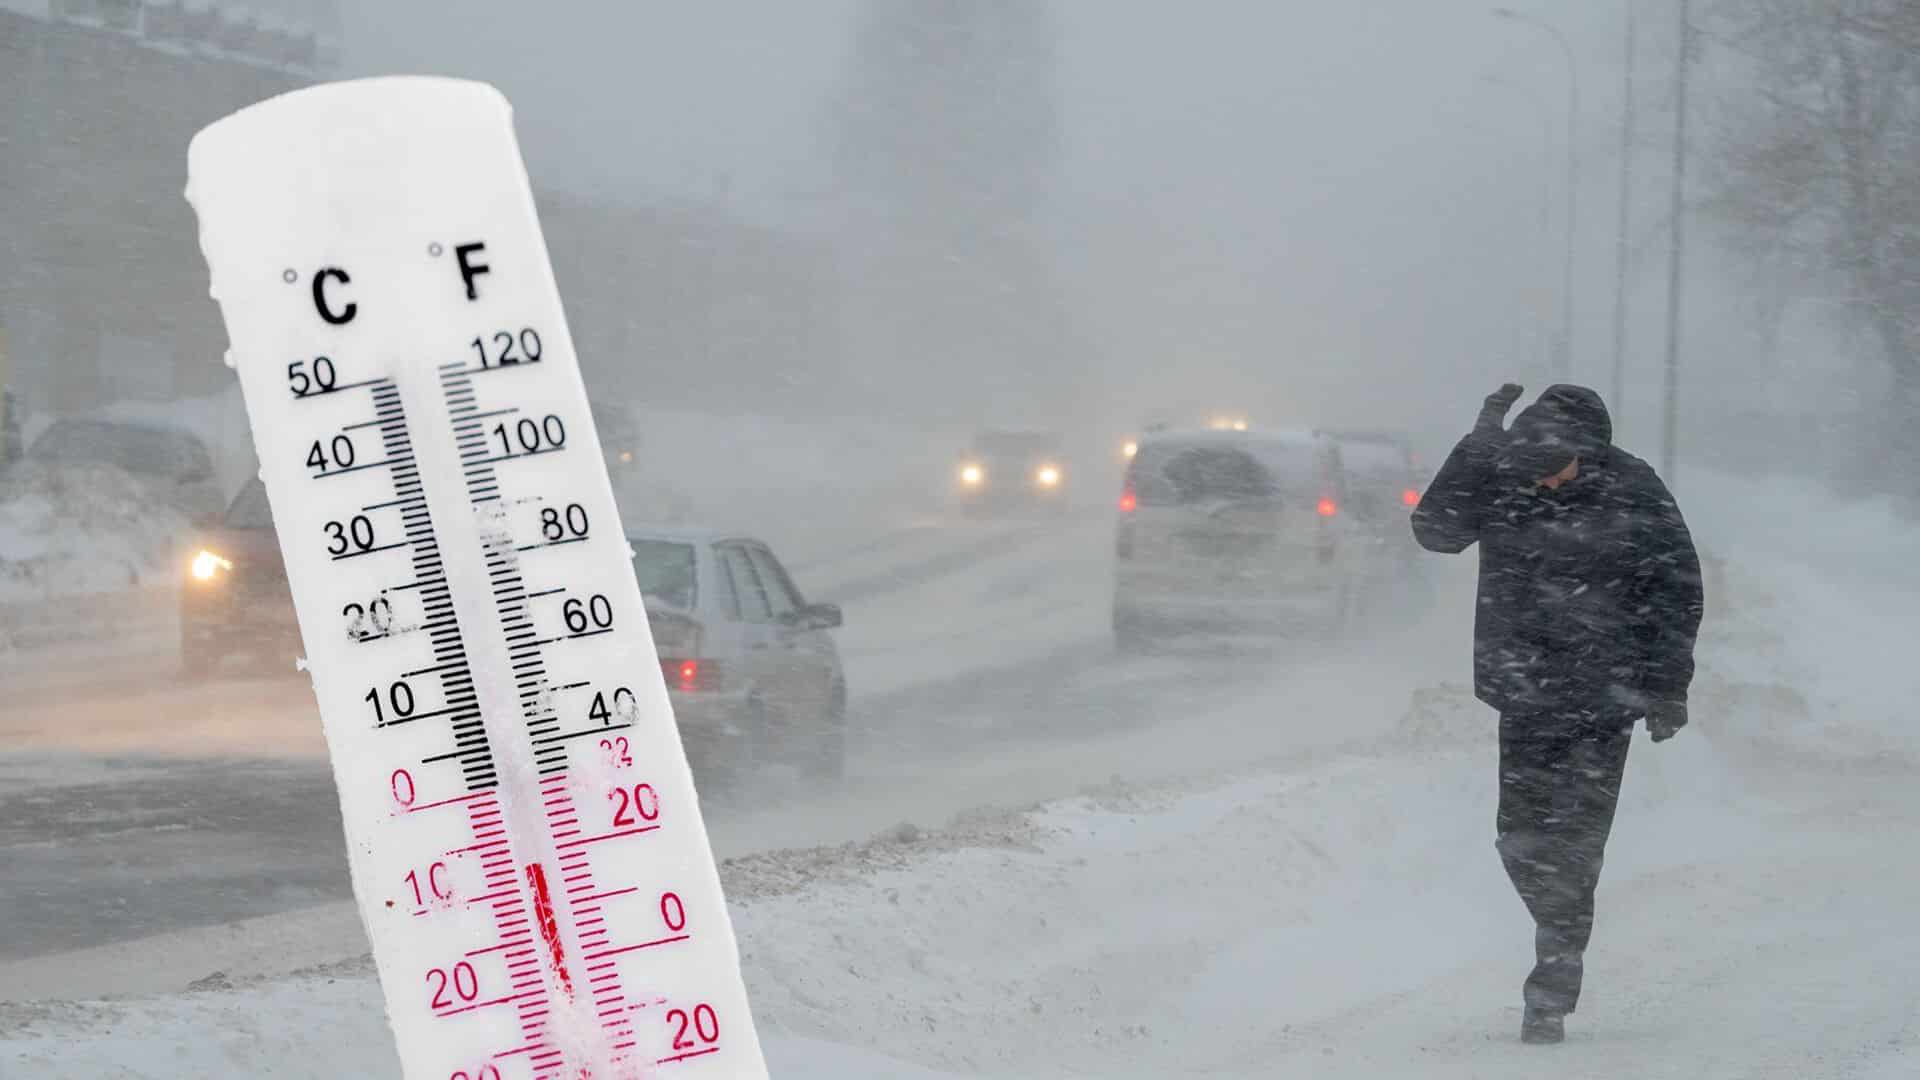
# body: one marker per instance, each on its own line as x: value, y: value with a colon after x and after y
x: 750, y: 665
x: 1218, y: 420
x: 1234, y: 531
x: 1011, y: 471
x: 1383, y: 488
x: 235, y: 602
x: 171, y: 463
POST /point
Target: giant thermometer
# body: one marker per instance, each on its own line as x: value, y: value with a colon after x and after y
x: 527, y: 850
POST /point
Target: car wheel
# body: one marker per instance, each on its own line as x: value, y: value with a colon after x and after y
x: 826, y: 753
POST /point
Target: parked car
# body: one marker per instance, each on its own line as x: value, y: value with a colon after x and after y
x: 1383, y: 487
x: 1232, y: 530
x: 1383, y: 463
x: 1012, y: 470
x: 235, y: 602
x: 172, y: 463
x: 750, y: 665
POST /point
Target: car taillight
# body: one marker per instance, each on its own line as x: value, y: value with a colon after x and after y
x: 689, y: 675
x: 1127, y: 501
x: 1328, y: 508
x: 1410, y: 497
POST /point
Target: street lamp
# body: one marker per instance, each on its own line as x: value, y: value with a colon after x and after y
x: 1619, y: 387
x: 1676, y: 255
x: 1573, y: 175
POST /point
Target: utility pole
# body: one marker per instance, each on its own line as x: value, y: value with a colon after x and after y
x: 1676, y: 255
x: 1618, y: 398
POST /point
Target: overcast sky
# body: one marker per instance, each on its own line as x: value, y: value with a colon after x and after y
x: 1330, y: 180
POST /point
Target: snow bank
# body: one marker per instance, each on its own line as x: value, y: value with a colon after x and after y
x: 81, y: 529
x: 1129, y: 931
x: 1810, y: 629
x: 326, y: 1023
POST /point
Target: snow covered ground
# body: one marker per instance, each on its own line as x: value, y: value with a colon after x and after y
x: 71, y: 530
x: 1333, y: 918
x: 1288, y: 889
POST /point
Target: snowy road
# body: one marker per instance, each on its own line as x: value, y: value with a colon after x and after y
x: 1332, y: 916
x: 129, y: 813
x: 1220, y: 865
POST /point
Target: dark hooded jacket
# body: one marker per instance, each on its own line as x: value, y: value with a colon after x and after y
x: 1590, y: 596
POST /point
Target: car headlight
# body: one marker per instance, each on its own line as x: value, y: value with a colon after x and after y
x: 1047, y: 476
x: 1128, y: 449
x: 973, y: 475
x: 207, y: 566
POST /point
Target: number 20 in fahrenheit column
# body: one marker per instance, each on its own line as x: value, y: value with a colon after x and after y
x: 526, y: 844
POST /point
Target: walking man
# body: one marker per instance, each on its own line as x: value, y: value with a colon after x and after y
x: 1589, y: 601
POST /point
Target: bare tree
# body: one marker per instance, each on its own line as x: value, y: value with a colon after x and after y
x: 1819, y: 169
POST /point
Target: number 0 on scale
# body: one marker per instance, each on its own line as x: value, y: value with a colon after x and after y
x: 526, y: 845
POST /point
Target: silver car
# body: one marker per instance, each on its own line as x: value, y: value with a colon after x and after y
x: 750, y: 665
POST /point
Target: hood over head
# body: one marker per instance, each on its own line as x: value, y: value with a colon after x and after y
x: 1566, y: 422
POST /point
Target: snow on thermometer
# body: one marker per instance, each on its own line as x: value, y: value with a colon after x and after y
x: 526, y: 846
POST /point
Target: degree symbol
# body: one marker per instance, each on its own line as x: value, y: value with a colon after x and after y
x: 435, y: 250
x: 289, y: 276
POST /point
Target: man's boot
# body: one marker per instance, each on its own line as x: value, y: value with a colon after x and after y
x: 1541, y: 1027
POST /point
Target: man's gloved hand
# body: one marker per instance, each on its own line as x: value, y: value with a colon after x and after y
x: 1665, y: 719
x: 1493, y: 413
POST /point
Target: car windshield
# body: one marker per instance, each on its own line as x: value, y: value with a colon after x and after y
x: 138, y: 449
x: 1174, y: 473
x: 1375, y: 463
x: 666, y: 571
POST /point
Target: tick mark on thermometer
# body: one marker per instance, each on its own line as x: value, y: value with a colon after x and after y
x: 608, y: 836
x: 487, y: 1004
x: 636, y: 948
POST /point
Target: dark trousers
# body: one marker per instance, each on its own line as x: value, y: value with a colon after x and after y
x: 1559, y: 784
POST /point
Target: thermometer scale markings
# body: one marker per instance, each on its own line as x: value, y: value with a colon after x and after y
x: 525, y: 652
x: 506, y: 755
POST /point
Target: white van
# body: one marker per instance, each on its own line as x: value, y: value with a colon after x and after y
x: 1234, y: 530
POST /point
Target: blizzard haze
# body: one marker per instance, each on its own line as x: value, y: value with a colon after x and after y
x: 1292, y: 203
x: 1020, y: 414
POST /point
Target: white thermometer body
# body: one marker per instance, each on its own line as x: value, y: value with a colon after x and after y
x: 526, y: 846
